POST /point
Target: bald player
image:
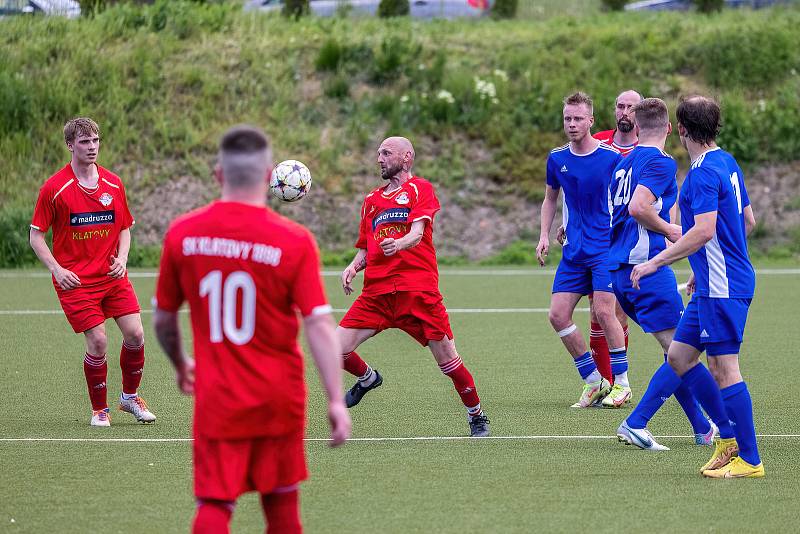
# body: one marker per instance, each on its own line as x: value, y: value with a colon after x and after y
x: 401, y: 280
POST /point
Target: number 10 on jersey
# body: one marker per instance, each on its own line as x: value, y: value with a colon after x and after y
x: 222, y: 306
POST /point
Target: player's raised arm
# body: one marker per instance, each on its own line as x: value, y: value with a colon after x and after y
x: 548, y: 213
x: 642, y: 209
x: 324, y: 344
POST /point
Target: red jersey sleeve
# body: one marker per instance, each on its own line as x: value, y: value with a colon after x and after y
x: 425, y: 204
x: 44, y: 212
x: 363, y: 231
x: 308, y: 293
x: 169, y: 295
x: 127, y: 218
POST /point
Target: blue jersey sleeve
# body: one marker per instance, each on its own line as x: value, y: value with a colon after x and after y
x: 705, y: 191
x: 659, y: 175
x: 552, y: 173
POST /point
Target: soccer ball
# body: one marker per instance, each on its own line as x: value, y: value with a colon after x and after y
x: 290, y: 180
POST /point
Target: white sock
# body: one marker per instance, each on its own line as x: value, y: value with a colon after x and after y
x: 368, y: 378
x: 128, y: 396
x: 594, y: 377
x: 473, y: 411
x: 622, y: 379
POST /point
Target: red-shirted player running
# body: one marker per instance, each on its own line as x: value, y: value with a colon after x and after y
x: 85, y: 205
x: 246, y: 272
x: 401, y: 280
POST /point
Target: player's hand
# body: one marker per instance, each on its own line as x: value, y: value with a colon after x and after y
x: 640, y: 271
x: 675, y: 233
x: 184, y: 376
x: 542, y: 249
x: 389, y: 246
x: 118, y: 267
x: 347, y: 279
x: 561, y: 235
x: 690, y: 285
x: 66, y: 279
x: 339, y: 419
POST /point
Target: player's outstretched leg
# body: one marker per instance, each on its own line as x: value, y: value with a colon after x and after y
x: 282, y: 511
x: 451, y: 365
x: 368, y: 378
x: 212, y: 517
x: 131, y: 361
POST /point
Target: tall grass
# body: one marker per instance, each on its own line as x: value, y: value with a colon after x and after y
x: 481, y: 98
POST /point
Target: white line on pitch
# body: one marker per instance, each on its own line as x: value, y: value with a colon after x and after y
x: 338, y: 310
x: 409, y: 438
x: 444, y: 272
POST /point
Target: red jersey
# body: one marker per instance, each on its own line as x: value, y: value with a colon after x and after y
x: 391, y: 214
x: 245, y: 272
x: 607, y: 136
x: 86, y: 223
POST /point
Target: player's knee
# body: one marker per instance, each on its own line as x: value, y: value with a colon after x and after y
x: 96, y: 343
x: 134, y: 337
x: 559, y: 319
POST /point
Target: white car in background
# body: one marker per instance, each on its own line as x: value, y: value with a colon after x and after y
x: 59, y: 8
x: 424, y: 9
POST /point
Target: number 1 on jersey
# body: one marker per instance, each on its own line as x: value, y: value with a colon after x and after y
x: 737, y: 190
x: 222, y: 306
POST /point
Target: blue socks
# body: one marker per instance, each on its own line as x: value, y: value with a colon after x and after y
x: 691, y: 408
x: 660, y: 388
x: 739, y: 407
x: 585, y: 365
x: 619, y: 361
x: 702, y: 385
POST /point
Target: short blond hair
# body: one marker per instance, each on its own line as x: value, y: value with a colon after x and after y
x: 79, y: 126
x: 580, y: 98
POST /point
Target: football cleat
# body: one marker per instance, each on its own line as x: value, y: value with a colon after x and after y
x: 593, y: 392
x: 725, y: 450
x: 100, y: 418
x: 638, y: 437
x: 357, y: 392
x: 479, y: 425
x: 736, y: 468
x: 707, y: 439
x: 618, y: 396
x: 138, y: 408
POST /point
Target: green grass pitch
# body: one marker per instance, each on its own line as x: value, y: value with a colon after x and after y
x: 527, y: 483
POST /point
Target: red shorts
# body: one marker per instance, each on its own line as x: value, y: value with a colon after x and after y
x: 420, y: 314
x: 224, y: 469
x: 87, y: 307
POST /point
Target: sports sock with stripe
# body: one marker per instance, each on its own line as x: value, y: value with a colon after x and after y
x: 95, y: 369
x: 599, y: 349
x: 587, y: 368
x: 462, y: 381
x: 131, y: 361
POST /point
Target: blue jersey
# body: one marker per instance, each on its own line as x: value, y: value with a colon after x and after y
x: 650, y: 167
x: 585, y: 180
x: 722, y: 267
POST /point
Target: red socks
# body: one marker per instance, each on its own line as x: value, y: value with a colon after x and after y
x: 462, y: 380
x: 600, y: 354
x: 95, y: 369
x: 131, y: 360
x: 353, y: 364
x: 212, y: 517
x: 282, y: 510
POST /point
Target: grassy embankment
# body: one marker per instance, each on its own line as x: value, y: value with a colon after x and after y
x: 481, y: 98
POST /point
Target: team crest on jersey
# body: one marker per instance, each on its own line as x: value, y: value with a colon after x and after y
x: 402, y: 198
x: 106, y: 199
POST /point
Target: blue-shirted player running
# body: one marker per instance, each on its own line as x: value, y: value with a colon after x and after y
x: 582, y: 169
x: 643, y: 191
x: 716, y: 217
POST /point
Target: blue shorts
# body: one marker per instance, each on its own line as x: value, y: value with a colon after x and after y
x: 657, y: 305
x: 714, y: 325
x: 584, y: 277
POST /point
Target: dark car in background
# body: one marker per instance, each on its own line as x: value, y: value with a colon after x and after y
x: 424, y: 9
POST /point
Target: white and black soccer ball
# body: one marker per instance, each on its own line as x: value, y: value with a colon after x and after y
x: 290, y: 180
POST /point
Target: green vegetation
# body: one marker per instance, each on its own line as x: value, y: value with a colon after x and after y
x: 505, y: 9
x: 393, y: 8
x: 479, y: 98
x: 526, y: 383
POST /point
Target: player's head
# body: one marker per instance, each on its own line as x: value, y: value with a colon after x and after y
x: 651, y: 118
x: 699, y: 120
x: 623, y: 109
x: 395, y: 155
x: 578, y: 116
x: 82, y: 136
x: 245, y: 158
